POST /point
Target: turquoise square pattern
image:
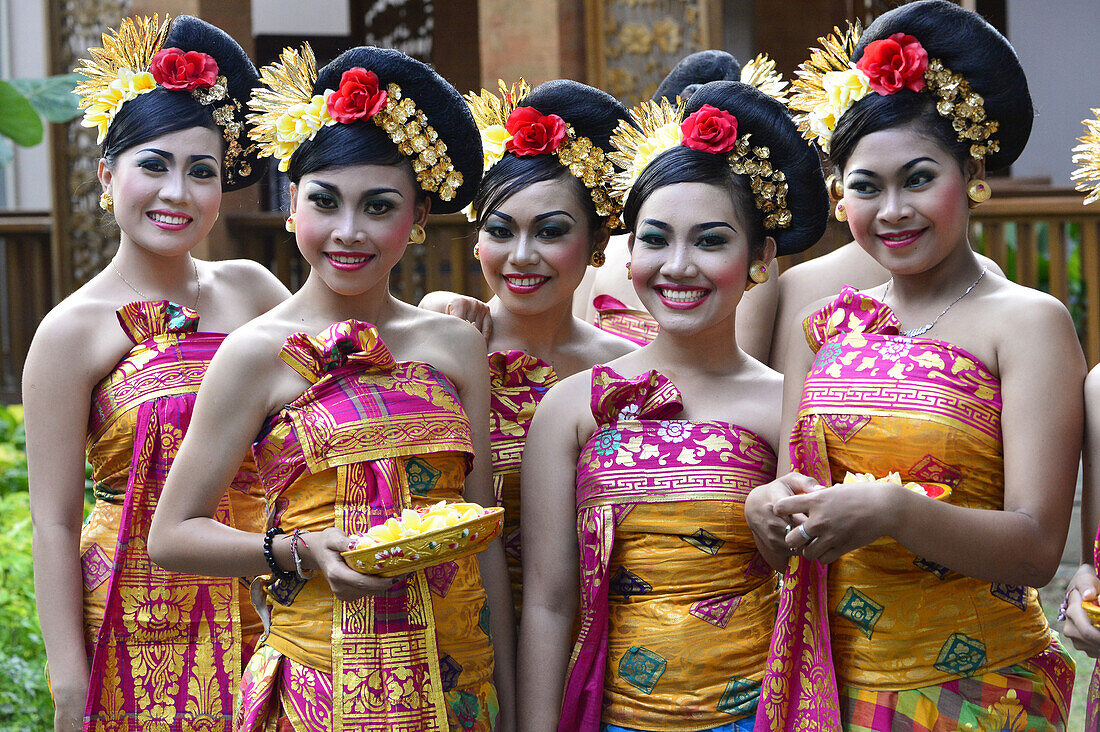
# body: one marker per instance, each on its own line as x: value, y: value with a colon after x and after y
x: 422, y: 476
x: 641, y: 668
x: 740, y: 697
x: 860, y: 609
x: 961, y: 655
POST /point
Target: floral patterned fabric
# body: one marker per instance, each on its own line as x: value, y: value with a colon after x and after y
x: 369, y: 437
x: 517, y: 383
x: 612, y: 315
x: 166, y: 649
x: 876, y: 402
x: 676, y: 603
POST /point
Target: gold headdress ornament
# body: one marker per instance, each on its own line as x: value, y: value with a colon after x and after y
x: 761, y: 73
x: 828, y: 84
x: 1087, y: 155
x: 585, y: 160
x: 659, y: 129
x: 126, y: 67
x: 286, y: 113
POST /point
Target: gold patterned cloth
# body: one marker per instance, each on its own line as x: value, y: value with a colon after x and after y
x: 166, y: 649
x: 369, y: 437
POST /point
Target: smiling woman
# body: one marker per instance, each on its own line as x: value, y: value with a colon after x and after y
x: 167, y: 98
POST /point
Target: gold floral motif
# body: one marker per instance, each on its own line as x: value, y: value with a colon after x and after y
x: 666, y: 34
x: 635, y: 38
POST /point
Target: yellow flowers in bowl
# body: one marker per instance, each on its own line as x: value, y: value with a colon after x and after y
x: 937, y: 491
x: 424, y: 536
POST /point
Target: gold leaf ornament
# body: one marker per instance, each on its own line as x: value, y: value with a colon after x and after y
x: 284, y: 110
x: 817, y: 113
x: 656, y: 129
x: 1087, y: 156
x: 760, y: 72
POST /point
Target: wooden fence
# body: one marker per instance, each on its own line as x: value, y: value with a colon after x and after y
x: 1042, y: 238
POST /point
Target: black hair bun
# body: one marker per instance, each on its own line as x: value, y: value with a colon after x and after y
x: 695, y: 70
x: 189, y: 33
x: 770, y: 124
x: 593, y: 113
x: 969, y: 46
x: 444, y: 107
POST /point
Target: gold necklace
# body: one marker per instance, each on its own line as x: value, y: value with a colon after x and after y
x: 143, y: 296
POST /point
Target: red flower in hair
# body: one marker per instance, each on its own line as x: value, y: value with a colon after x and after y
x: 358, y: 96
x: 893, y: 63
x: 174, y: 68
x: 709, y: 129
x: 533, y: 133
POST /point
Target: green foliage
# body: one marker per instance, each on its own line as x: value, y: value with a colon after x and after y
x: 18, y: 119
x: 52, y: 97
x: 24, y: 696
x: 23, y: 104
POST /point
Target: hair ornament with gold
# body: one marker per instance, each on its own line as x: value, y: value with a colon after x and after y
x: 660, y: 126
x: 760, y: 72
x: 506, y: 127
x: 829, y: 83
x: 1087, y: 156
x: 286, y: 113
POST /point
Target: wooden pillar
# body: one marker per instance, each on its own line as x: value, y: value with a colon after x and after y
x: 538, y: 41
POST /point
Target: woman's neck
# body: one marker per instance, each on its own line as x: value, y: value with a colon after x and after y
x: 710, y: 352
x: 153, y: 275
x: 317, y: 302
x: 948, y: 278
x: 539, y: 334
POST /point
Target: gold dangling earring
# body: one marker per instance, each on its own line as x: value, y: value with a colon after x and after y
x: 758, y: 272
x: 597, y: 259
x: 835, y: 187
x: 417, y: 235
x: 290, y: 223
x: 477, y: 252
x: 628, y: 270
x: 978, y: 191
x: 106, y: 202
x: 841, y: 212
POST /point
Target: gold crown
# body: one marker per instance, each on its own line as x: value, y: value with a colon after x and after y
x: 286, y: 113
x: 1087, y: 155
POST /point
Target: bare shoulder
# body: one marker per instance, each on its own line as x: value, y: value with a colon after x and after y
x: 83, y: 323
x: 568, y: 404
x: 256, y: 344
x: 1027, y: 308
x: 452, y: 345
x: 247, y: 276
x: 601, y: 346
x: 1092, y: 388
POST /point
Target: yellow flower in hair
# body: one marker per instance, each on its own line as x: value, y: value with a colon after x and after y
x: 843, y: 89
x: 106, y: 104
x: 493, y: 139
x: 665, y: 137
x: 300, y: 122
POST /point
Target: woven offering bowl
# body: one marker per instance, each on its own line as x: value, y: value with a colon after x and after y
x: 1092, y: 610
x: 428, y: 548
x: 935, y: 491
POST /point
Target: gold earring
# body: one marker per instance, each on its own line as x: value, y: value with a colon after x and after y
x: 597, y: 259
x: 758, y: 272
x: 836, y: 188
x: 978, y: 191
x: 417, y: 235
x: 841, y: 213
x: 477, y: 252
x: 106, y: 202
x: 628, y: 270
x: 290, y: 223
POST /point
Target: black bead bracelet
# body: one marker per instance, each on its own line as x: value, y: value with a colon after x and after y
x: 269, y: 555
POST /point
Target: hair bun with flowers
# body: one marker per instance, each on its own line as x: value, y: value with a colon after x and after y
x: 288, y: 110
x: 525, y: 131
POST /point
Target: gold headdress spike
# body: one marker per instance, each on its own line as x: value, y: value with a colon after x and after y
x: 829, y: 64
x: 658, y: 129
x: 119, y: 71
x: 491, y: 113
x: 1087, y: 155
x: 286, y: 113
x: 761, y: 73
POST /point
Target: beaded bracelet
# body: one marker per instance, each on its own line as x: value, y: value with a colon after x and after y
x: 294, y: 539
x: 276, y: 572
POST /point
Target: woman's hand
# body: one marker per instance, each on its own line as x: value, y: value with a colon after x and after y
x: 324, y: 552
x: 769, y: 528
x: 69, y: 698
x: 838, y: 519
x: 465, y: 307
x: 1078, y: 628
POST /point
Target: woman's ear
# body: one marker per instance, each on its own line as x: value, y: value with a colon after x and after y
x: 768, y: 254
x: 976, y: 169
x: 293, y: 198
x: 630, y: 242
x: 600, y: 237
x: 103, y: 172
x: 423, y: 208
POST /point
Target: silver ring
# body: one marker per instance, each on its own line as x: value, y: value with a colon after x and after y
x: 787, y: 530
x: 807, y: 537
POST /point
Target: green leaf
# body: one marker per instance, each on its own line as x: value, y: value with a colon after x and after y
x: 18, y: 120
x: 53, y: 97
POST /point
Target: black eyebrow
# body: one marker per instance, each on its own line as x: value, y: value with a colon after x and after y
x: 659, y: 224
x: 504, y: 216
x: 715, y: 225
x: 547, y: 215
x: 162, y: 153
x: 366, y: 194
x: 914, y: 161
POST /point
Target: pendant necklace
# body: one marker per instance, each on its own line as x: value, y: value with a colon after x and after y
x: 143, y: 296
x: 925, y: 328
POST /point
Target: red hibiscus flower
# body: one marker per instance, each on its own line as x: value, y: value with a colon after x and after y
x: 533, y: 133
x: 709, y: 129
x: 894, y: 63
x: 174, y: 68
x: 358, y: 96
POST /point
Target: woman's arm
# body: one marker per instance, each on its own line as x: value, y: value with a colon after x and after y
x: 56, y: 398
x: 1085, y: 585
x: 472, y: 380
x: 244, y: 383
x: 465, y: 307
x: 1041, y: 424
x: 550, y: 553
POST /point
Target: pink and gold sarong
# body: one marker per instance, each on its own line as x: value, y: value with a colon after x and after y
x: 1092, y: 704
x: 612, y: 315
x: 883, y: 639
x: 369, y: 437
x: 166, y: 649
x: 517, y: 383
x: 676, y: 603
